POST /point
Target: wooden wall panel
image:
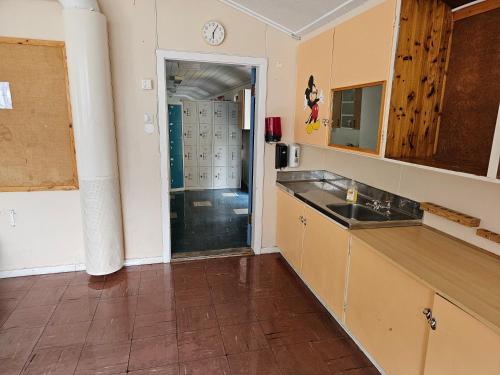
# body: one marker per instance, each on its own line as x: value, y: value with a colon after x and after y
x: 36, y: 136
x: 419, y: 72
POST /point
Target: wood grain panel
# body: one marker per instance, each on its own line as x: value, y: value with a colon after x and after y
x: 36, y: 137
x: 419, y: 72
x: 488, y: 234
x: 452, y: 215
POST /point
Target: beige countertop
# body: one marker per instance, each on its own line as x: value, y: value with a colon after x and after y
x: 465, y: 275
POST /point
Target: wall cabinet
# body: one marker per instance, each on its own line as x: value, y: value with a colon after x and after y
x: 384, y: 311
x: 312, y: 105
x: 460, y: 345
x: 324, y: 259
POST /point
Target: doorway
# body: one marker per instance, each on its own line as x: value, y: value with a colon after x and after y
x: 210, y: 119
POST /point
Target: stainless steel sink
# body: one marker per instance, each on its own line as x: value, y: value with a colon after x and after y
x: 357, y: 212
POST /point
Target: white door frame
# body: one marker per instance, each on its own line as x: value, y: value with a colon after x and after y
x: 258, y: 161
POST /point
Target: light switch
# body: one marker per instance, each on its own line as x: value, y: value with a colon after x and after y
x: 147, y: 84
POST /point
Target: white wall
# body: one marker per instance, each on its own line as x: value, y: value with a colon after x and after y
x: 48, y: 225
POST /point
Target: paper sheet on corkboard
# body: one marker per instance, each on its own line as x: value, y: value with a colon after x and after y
x: 36, y: 136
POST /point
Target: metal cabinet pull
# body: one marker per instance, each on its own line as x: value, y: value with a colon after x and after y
x: 427, y: 313
x: 433, y: 323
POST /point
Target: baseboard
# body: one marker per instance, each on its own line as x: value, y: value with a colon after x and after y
x: 71, y: 268
x: 270, y: 250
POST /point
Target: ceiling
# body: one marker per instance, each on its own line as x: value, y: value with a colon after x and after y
x: 295, y: 17
x: 199, y: 80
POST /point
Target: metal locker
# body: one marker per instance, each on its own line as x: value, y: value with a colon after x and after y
x: 234, y: 136
x: 190, y: 155
x: 205, y: 134
x: 204, y: 155
x: 233, y: 113
x: 220, y: 156
x: 220, y: 113
x: 220, y: 177
x: 189, y: 112
x: 233, y: 177
x: 189, y: 134
x: 234, y: 156
x: 205, y: 177
x: 220, y: 135
x: 190, y: 177
x: 205, y: 112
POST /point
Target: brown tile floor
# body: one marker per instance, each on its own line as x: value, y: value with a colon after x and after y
x: 239, y: 316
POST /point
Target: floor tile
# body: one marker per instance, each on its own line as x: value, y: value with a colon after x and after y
x: 230, y: 293
x: 164, y: 370
x: 200, y: 344
x: 111, y: 330
x: 54, y: 280
x: 153, y: 352
x: 358, y: 371
x: 74, y: 312
x: 299, y: 359
x: 152, y: 303
x: 53, y: 361
x: 260, y: 362
x: 83, y: 278
x: 209, y: 366
x: 36, y: 316
x: 243, y: 338
x: 120, y: 288
x: 194, y: 318
x: 193, y: 297
x: 155, y: 324
x: 17, y: 283
x: 104, y: 359
x: 152, y: 285
x: 116, y: 307
x: 192, y: 280
x: 235, y: 313
x: 63, y: 335
x: 83, y: 291
x: 42, y: 297
x: 16, y: 345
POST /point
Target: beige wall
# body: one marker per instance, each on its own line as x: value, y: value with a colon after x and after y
x: 48, y: 229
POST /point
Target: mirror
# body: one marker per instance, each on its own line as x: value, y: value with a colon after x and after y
x: 356, y: 117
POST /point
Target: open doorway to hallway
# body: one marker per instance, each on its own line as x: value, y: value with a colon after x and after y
x: 211, y: 112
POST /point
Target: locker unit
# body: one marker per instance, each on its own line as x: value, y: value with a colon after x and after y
x: 175, y: 146
x: 211, y: 139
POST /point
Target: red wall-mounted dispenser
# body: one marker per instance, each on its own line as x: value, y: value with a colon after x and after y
x: 273, y: 129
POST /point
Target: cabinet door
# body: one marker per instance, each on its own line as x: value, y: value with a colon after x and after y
x: 234, y: 136
x: 233, y: 177
x: 384, y: 311
x: 220, y: 113
x: 324, y: 259
x: 189, y: 113
x: 205, y: 177
x: 220, y: 156
x: 312, y: 104
x: 205, y: 111
x: 362, y: 47
x: 189, y: 134
x: 205, y: 134
x: 190, y: 177
x: 289, y: 228
x: 460, y: 345
x: 233, y: 113
x: 220, y: 135
x: 234, y: 156
x: 205, y: 156
x: 190, y: 155
x: 219, y: 177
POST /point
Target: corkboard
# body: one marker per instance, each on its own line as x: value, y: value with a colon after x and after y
x: 36, y: 137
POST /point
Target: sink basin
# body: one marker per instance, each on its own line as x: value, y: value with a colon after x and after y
x: 356, y: 212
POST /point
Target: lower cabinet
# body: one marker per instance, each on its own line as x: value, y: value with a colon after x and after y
x: 460, y: 344
x: 324, y: 259
x: 384, y: 311
x: 290, y: 228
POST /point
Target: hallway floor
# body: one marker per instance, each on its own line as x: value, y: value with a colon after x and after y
x: 208, y: 219
x: 226, y: 316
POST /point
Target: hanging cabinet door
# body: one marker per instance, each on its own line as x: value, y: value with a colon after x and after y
x: 290, y: 229
x: 363, y: 46
x: 384, y: 311
x: 324, y: 259
x: 312, y: 106
x: 460, y: 345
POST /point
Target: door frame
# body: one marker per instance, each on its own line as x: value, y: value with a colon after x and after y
x: 259, y: 142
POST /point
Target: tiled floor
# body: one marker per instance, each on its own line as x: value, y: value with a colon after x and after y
x: 208, y: 220
x: 239, y: 316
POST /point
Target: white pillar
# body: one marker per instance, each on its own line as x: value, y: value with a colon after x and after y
x: 87, y: 52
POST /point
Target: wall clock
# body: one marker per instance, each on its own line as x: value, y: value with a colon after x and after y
x: 213, y: 33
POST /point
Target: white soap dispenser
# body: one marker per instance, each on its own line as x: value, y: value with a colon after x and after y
x: 293, y: 155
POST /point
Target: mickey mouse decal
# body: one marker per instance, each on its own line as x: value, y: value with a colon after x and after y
x: 311, y: 99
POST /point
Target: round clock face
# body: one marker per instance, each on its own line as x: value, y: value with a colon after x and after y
x: 213, y: 33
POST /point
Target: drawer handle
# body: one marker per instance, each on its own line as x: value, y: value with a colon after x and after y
x: 427, y: 313
x: 433, y: 323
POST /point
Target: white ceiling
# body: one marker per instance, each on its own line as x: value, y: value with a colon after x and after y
x: 296, y: 17
x: 204, y: 80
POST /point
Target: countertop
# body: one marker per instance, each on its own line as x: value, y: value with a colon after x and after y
x: 465, y: 275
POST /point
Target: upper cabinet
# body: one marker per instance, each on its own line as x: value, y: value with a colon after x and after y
x: 362, y: 47
x: 312, y: 106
